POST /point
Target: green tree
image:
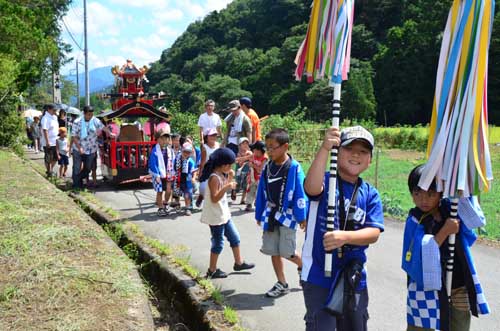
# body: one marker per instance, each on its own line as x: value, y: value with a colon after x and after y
x: 29, y: 47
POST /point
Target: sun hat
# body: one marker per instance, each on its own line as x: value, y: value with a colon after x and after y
x: 233, y: 105
x: 350, y: 134
x: 163, y: 131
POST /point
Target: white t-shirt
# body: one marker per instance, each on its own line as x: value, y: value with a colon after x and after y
x: 209, y: 122
x: 62, y: 146
x: 50, y: 123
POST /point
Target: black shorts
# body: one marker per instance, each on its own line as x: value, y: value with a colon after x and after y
x: 63, y: 160
x: 50, y: 154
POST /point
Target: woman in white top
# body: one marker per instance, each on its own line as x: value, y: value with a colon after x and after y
x: 210, y: 145
x: 216, y: 211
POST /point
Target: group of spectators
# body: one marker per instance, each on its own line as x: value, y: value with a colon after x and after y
x: 183, y: 162
x: 50, y: 135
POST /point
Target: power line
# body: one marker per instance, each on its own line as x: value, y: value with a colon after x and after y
x: 75, y: 12
x: 71, y: 35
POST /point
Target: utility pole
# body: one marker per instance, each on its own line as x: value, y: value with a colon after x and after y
x: 77, y: 87
x: 86, y: 52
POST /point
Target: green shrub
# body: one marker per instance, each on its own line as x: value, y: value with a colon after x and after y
x: 405, y: 137
x: 184, y: 123
x: 12, y: 132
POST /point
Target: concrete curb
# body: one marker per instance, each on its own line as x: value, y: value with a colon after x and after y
x: 190, y: 300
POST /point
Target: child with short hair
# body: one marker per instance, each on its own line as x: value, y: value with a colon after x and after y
x: 257, y: 163
x: 184, y: 169
x: 425, y: 251
x: 158, y: 169
x: 62, y: 152
x: 280, y: 206
x: 359, y: 221
x: 36, y: 132
x: 216, y: 211
x: 242, y: 169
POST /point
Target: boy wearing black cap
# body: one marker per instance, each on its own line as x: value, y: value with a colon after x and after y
x: 359, y: 219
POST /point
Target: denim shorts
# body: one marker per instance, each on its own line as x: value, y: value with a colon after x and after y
x: 219, y: 231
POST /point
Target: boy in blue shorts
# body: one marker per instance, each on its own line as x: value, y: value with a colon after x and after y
x: 359, y: 220
x: 280, y: 206
x: 185, y: 171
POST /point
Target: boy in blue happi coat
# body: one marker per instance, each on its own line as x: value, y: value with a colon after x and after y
x: 160, y: 170
x: 281, y: 205
x: 359, y: 221
x: 425, y: 251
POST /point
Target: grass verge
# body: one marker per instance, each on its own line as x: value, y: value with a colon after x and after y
x: 59, y: 270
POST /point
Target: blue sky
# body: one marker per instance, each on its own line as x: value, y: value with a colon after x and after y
x: 139, y: 30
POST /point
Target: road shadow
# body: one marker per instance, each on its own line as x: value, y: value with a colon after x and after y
x: 246, y: 301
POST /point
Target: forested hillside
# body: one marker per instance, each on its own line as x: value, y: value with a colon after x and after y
x: 249, y: 48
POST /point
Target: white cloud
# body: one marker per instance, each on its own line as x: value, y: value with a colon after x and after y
x: 109, y: 42
x: 168, y: 15
x: 168, y: 32
x: 103, y: 21
x: 212, y: 5
x: 152, y: 41
x: 124, y: 4
x: 139, y: 56
x: 193, y: 9
x: 97, y: 61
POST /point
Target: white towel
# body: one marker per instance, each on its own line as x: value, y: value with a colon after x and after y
x: 238, y: 122
x: 161, y: 161
x: 86, y: 127
x: 431, y: 263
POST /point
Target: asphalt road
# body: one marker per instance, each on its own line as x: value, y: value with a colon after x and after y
x: 245, y: 290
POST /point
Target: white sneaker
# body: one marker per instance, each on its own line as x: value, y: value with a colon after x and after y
x: 278, y: 290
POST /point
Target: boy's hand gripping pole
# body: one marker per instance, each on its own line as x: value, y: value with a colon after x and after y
x: 332, y: 182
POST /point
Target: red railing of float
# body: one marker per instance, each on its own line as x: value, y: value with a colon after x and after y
x: 128, y: 155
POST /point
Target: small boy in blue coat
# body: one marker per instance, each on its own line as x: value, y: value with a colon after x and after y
x: 425, y: 252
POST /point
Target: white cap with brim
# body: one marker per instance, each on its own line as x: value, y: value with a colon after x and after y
x: 210, y: 132
x: 348, y: 135
x: 242, y: 140
x: 187, y: 147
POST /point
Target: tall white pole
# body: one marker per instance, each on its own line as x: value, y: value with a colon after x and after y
x: 332, y: 182
x: 86, y: 53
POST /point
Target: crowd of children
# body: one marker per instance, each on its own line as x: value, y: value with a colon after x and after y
x: 272, y: 183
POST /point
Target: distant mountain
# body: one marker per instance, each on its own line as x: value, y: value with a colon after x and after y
x: 100, y: 79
